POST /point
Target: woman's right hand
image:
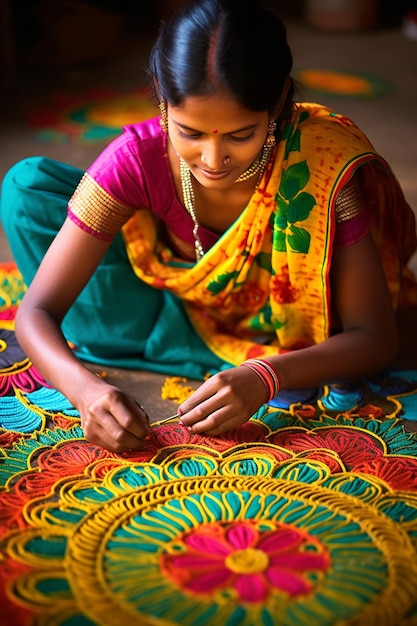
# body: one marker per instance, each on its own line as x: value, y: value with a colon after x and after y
x: 112, y: 419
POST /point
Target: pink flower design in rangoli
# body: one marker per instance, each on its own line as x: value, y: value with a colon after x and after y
x: 241, y: 556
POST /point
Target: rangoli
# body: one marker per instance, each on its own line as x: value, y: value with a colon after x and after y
x: 304, y: 516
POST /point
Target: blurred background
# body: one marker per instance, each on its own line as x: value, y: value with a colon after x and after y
x: 74, y: 72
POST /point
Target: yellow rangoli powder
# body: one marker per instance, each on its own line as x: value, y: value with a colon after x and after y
x: 174, y: 389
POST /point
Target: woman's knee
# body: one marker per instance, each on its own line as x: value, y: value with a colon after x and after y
x: 41, y: 174
x: 33, y: 207
x: 36, y: 190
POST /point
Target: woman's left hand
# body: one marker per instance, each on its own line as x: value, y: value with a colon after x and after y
x: 224, y: 402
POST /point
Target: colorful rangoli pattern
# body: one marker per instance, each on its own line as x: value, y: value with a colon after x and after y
x: 96, y: 117
x: 306, y: 515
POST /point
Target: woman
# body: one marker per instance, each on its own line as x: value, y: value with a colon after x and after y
x: 242, y: 235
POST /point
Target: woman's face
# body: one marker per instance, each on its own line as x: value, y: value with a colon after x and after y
x: 216, y: 137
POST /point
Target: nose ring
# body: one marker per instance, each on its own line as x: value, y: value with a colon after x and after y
x: 226, y: 160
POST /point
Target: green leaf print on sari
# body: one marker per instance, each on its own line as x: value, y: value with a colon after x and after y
x: 221, y: 282
x: 293, y: 206
x: 263, y: 259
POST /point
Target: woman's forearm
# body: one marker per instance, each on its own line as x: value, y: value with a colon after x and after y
x: 349, y: 355
x: 43, y: 342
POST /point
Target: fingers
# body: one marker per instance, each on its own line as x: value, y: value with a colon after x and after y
x: 223, y: 402
x: 205, y: 419
x: 132, y: 417
x: 217, y: 423
x: 115, y: 421
x: 206, y: 391
x: 106, y: 432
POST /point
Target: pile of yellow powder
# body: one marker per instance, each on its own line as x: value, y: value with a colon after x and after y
x: 175, y: 389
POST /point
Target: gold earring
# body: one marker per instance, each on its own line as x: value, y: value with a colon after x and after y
x: 163, y: 122
x: 270, y: 139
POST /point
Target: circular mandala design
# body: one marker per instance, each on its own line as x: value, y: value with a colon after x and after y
x: 208, y: 551
x: 94, y: 117
x: 115, y: 113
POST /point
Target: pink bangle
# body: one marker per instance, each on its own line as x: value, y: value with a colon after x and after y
x: 267, y: 374
x: 274, y: 373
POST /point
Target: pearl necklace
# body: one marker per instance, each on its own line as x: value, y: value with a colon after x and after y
x: 258, y: 166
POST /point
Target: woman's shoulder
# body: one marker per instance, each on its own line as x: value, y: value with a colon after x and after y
x: 312, y: 117
x: 138, y: 146
x: 128, y: 167
x: 139, y: 139
x: 146, y: 130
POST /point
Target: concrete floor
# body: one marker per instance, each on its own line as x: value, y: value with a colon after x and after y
x: 390, y: 122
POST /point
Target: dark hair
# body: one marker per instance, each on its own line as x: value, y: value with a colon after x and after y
x: 237, y: 45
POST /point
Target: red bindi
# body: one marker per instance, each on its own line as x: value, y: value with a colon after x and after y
x: 214, y: 131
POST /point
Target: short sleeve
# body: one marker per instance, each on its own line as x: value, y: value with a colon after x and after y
x: 353, y: 218
x: 120, y: 181
x: 96, y: 211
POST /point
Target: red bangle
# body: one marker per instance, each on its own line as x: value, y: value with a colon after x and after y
x: 274, y: 373
x: 267, y: 374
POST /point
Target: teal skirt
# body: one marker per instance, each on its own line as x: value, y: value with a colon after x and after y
x: 117, y: 320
